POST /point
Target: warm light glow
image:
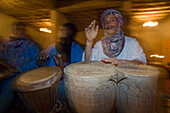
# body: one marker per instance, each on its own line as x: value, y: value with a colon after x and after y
x: 151, y: 8
x: 157, y: 56
x: 45, y: 30
x: 152, y: 12
x: 149, y: 17
x: 150, y: 23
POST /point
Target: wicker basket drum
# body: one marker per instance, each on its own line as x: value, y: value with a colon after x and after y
x: 88, y: 87
x: 136, y: 93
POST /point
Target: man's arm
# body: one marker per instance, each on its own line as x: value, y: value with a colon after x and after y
x: 91, y: 32
x: 88, y: 50
x: 119, y: 61
x: 32, y: 53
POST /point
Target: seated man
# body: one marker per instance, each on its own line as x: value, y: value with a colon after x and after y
x: 114, y: 47
x: 19, y: 53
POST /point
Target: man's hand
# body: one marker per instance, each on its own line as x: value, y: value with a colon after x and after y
x: 91, y: 31
x: 42, y: 58
x: 119, y: 61
x: 113, y: 60
x: 58, y: 60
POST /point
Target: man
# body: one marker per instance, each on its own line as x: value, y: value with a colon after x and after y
x: 114, y: 47
x: 19, y: 50
x: 70, y: 51
x: 20, y: 54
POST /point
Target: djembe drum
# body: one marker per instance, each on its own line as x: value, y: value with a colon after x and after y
x: 137, y: 87
x: 38, y: 88
x: 88, y: 87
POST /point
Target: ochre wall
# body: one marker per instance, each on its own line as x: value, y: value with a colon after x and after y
x: 150, y: 38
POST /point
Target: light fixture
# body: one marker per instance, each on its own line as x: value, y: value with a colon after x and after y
x: 45, y: 30
x: 150, y: 24
x: 157, y: 56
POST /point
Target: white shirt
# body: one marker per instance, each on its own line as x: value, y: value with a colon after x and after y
x: 131, y: 51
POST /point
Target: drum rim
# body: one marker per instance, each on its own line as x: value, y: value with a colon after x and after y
x: 155, y: 74
x: 94, y: 76
x: 24, y: 87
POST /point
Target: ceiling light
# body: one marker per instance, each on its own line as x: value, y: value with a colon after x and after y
x: 45, y: 30
x: 150, y: 24
x: 157, y: 56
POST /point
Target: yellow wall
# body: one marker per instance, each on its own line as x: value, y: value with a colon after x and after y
x: 40, y: 37
x: 150, y: 38
x: 81, y: 38
x: 5, y: 25
x: 166, y: 51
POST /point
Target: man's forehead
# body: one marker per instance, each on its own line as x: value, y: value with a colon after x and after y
x: 109, y: 16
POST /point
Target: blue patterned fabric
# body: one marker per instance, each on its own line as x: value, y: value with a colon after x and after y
x: 21, y: 53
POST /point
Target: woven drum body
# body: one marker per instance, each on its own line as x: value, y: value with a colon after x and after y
x: 38, y: 88
x: 88, y: 87
x: 136, y: 89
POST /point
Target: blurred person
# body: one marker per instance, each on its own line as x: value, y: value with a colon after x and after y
x: 19, y: 50
x: 114, y: 47
x: 19, y: 55
x: 70, y: 51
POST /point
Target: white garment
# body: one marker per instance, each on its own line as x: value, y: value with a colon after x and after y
x: 131, y: 51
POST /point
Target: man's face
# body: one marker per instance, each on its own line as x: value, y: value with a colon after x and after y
x: 111, y: 24
x: 65, y: 32
x: 20, y: 31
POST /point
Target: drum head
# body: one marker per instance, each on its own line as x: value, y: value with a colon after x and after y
x: 89, y: 69
x: 138, y: 70
x: 38, y: 78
